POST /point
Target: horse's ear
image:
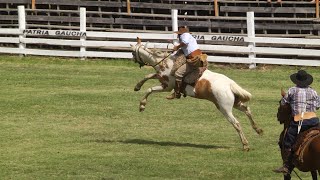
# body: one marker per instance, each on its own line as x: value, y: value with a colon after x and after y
x: 138, y: 40
x: 282, y: 92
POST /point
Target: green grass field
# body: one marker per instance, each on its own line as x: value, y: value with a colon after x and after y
x: 73, y: 119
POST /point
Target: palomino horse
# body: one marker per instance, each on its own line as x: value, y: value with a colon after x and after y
x: 310, y: 154
x: 217, y: 88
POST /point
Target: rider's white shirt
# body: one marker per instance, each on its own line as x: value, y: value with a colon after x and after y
x: 191, y: 43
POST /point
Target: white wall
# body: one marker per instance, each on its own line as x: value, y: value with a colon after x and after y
x: 106, y: 44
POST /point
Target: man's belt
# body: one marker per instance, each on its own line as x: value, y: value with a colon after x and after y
x: 194, y: 54
x: 305, y: 115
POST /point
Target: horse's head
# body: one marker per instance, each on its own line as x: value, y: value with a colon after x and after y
x: 144, y: 56
x: 284, y: 112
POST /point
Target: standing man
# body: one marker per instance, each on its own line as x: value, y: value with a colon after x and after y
x: 188, y: 48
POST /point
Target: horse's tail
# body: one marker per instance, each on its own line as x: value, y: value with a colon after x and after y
x: 242, y: 94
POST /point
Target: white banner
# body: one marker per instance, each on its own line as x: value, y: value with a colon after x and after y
x: 39, y: 32
x: 219, y: 38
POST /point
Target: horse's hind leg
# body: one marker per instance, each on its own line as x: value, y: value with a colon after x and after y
x: 242, y: 107
x: 228, y: 114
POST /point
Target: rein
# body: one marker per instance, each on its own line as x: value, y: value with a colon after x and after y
x: 142, y: 63
x: 297, y: 174
x: 163, y: 59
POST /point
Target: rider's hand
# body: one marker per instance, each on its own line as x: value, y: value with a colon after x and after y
x: 282, y: 92
x: 175, y: 48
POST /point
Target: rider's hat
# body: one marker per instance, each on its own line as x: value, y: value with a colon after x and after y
x: 182, y: 30
x: 301, y: 78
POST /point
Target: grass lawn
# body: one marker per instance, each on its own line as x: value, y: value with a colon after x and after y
x: 73, y: 119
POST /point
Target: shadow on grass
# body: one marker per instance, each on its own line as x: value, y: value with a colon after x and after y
x: 165, y: 143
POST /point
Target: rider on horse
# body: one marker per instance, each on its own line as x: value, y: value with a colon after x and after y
x: 188, y: 59
x: 304, y: 102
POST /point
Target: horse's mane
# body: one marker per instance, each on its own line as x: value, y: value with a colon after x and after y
x: 159, y: 53
x: 284, y: 114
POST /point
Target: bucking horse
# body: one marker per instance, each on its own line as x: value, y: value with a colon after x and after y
x: 225, y: 93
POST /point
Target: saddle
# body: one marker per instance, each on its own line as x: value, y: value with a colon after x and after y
x: 201, y: 64
x: 192, y: 78
x: 303, y: 140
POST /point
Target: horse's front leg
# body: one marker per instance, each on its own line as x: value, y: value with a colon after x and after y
x: 146, y: 78
x: 143, y: 101
x: 314, y: 175
x: 287, y: 177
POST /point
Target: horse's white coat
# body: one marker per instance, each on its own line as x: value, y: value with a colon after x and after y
x: 215, y: 87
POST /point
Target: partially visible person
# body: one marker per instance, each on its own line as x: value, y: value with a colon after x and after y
x: 304, y: 102
x: 187, y: 49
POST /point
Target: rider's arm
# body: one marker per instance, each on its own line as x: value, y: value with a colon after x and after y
x: 316, y: 100
x: 179, y: 46
x: 286, y: 99
x: 183, y: 40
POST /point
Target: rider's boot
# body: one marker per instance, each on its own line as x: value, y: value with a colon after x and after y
x: 177, y: 89
x: 287, y: 163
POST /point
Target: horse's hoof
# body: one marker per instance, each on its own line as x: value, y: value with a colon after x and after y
x: 259, y: 131
x: 246, y: 148
x: 136, y: 89
x: 141, y: 109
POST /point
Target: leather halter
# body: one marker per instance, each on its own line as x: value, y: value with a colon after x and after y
x: 137, y: 58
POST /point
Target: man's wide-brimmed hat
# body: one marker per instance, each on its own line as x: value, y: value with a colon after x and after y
x: 182, y: 30
x: 301, y: 78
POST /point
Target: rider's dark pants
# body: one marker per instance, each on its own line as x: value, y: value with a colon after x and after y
x: 292, y: 133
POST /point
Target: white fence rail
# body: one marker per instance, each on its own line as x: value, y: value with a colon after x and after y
x: 253, y: 50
